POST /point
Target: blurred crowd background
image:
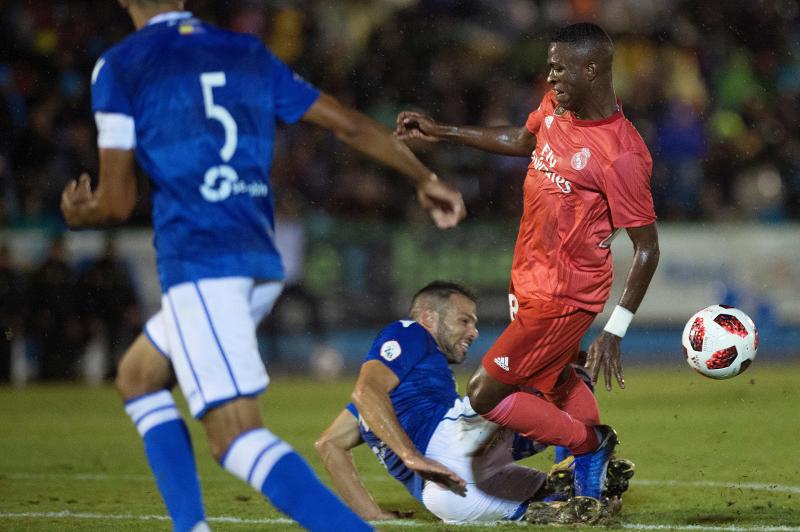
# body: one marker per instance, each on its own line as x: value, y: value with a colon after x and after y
x: 713, y: 87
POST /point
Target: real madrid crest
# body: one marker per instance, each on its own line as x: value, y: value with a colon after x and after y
x: 581, y: 159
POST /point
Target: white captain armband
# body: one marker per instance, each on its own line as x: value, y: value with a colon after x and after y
x: 619, y: 321
x: 115, y: 131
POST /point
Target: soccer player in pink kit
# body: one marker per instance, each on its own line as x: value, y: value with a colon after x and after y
x: 589, y: 176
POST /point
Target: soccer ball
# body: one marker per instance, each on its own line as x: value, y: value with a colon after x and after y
x: 720, y: 342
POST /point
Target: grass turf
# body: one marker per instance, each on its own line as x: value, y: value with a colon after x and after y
x: 719, y: 455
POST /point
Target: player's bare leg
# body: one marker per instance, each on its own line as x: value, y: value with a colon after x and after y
x: 224, y: 423
x: 244, y: 447
x: 143, y: 370
x: 144, y: 380
x: 485, y: 392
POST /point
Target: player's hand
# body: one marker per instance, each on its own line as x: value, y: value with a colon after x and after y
x: 412, y: 125
x: 436, y: 472
x: 605, y: 353
x: 443, y: 202
x: 76, y: 194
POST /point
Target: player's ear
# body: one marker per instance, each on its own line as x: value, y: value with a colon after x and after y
x: 429, y: 319
x: 591, y: 70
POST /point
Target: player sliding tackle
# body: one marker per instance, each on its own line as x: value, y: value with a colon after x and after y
x: 589, y: 176
x: 406, y: 408
x: 197, y: 107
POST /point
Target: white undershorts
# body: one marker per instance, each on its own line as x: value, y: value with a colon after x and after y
x: 481, y: 453
x: 207, y: 329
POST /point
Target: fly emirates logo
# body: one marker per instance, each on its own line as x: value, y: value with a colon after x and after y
x: 545, y: 164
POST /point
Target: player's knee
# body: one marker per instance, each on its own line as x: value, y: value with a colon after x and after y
x: 130, y: 382
x: 477, y: 396
x: 485, y: 393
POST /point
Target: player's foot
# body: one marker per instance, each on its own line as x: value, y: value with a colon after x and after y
x: 620, y: 471
x: 576, y: 510
x: 590, y: 468
x: 558, y: 486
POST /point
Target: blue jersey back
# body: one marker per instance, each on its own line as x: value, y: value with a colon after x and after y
x: 427, y: 390
x: 204, y: 102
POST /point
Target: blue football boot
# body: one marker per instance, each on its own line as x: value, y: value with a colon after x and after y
x: 590, y: 468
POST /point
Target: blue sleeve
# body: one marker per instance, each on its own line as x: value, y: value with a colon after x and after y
x: 108, y: 93
x: 352, y: 409
x: 293, y: 94
x: 400, y: 347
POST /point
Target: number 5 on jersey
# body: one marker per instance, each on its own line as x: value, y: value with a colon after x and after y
x: 218, y: 181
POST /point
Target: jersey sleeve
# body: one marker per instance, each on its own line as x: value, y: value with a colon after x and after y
x: 352, y: 409
x: 534, y: 121
x: 400, y: 348
x: 108, y: 93
x: 112, y: 108
x: 626, y: 184
x: 293, y: 94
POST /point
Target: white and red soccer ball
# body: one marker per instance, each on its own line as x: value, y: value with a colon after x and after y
x: 720, y: 342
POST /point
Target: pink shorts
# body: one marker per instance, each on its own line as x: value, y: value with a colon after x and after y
x: 536, y: 347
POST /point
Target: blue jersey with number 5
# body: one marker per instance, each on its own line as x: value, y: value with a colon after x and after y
x: 203, y: 102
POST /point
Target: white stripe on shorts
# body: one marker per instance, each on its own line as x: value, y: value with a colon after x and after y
x: 207, y: 329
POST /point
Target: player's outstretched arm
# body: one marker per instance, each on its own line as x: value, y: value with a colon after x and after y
x: 605, y: 350
x: 113, y: 200
x: 371, y: 397
x: 516, y: 141
x: 442, y: 201
x: 333, y: 447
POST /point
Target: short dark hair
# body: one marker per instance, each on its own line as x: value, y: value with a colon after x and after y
x: 442, y: 290
x: 582, y: 34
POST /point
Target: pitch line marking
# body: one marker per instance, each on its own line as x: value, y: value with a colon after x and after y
x: 392, y: 522
x: 760, y: 486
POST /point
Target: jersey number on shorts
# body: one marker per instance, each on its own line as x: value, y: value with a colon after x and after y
x: 218, y: 181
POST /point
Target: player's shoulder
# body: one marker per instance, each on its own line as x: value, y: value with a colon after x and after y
x: 157, y: 38
x: 403, y: 330
x: 548, y: 103
x: 631, y: 148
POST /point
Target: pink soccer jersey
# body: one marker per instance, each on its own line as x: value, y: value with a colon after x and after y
x: 586, y: 178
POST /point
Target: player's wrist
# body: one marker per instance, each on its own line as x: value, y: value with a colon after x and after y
x: 619, y: 321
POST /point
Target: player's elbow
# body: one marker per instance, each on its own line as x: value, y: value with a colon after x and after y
x: 327, y: 448
x: 650, y: 252
x: 323, y: 446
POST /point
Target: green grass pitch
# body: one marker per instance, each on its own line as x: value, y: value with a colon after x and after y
x: 710, y: 455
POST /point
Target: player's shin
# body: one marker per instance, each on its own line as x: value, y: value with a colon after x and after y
x: 169, y: 453
x: 272, y: 467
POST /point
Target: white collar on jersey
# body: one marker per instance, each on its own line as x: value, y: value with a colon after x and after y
x: 171, y: 16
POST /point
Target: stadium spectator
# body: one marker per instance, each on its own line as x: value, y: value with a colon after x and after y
x: 719, y: 58
x: 193, y: 100
x: 589, y: 177
x: 54, y: 330
x: 406, y: 409
x: 110, y: 308
x: 12, y: 308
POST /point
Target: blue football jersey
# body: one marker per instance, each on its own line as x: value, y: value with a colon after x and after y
x: 204, y: 102
x: 427, y: 390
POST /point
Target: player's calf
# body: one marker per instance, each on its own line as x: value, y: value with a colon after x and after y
x: 169, y: 453
x: 272, y: 467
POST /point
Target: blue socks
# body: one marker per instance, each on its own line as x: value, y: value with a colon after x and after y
x: 169, y: 452
x: 272, y: 467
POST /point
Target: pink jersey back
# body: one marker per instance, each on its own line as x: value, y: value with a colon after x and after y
x: 585, y: 179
